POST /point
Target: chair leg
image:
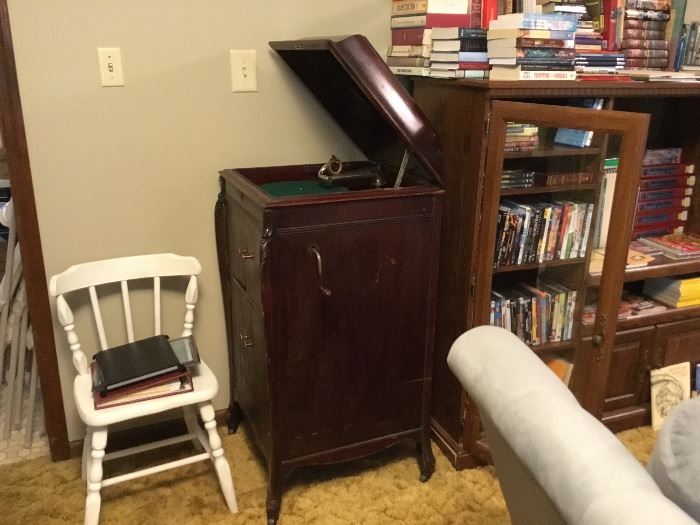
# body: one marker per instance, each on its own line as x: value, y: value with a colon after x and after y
x: 94, y: 474
x: 223, y: 471
x: 29, y: 435
x: 87, y: 448
x: 193, y: 428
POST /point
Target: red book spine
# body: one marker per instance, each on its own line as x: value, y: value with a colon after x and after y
x: 489, y: 11
x: 609, y: 21
x: 473, y: 66
x: 412, y: 36
x: 475, y: 13
x: 447, y: 20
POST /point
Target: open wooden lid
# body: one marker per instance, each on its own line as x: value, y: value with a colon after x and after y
x: 356, y: 87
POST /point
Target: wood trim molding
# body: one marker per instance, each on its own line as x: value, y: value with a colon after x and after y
x: 15, y: 141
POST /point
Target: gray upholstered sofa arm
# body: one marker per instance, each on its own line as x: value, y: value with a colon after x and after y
x: 555, y: 462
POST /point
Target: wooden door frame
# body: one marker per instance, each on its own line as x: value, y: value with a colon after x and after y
x: 15, y: 142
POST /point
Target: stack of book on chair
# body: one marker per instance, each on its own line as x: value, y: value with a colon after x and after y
x: 532, y: 46
x: 144, y: 369
x: 674, y: 292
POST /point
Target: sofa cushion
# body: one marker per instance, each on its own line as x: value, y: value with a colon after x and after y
x: 675, y: 460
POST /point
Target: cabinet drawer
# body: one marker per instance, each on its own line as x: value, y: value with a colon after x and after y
x: 244, y: 251
x: 679, y: 342
x: 250, y: 365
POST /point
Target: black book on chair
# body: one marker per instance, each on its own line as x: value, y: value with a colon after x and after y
x: 130, y: 363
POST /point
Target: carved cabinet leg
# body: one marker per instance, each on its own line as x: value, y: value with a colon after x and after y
x: 274, y: 495
x: 426, y: 459
x: 235, y: 416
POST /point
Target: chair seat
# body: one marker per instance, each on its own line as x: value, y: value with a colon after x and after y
x: 203, y: 380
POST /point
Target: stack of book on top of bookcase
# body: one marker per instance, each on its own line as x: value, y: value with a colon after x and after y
x: 532, y: 46
x: 665, y: 193
x: 145, y: 369
x: 645, y: 44
x: 413, y: 23
x: 459, y: 52
x: 674, y: 292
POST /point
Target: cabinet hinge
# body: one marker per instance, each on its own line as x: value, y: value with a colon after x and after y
x: 487, y: 124
x: 472, y: 286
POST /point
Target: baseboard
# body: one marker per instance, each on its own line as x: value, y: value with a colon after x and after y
x: 152, y: 432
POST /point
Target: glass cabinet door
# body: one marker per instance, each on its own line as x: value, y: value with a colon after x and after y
x: 549, y: 215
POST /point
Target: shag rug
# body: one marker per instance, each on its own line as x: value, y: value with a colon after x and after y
x: 382, y: 489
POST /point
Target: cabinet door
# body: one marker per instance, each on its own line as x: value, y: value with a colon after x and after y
x: 628, y: 381
x: 542, y: 218
x: 679, y: 342
x: 349, y: 320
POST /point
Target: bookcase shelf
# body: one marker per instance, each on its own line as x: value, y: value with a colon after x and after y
x: 552, y: 151
x: 558, y: 346
x: 660, y: 267
x: 536, y: 265
x: 547, y: 189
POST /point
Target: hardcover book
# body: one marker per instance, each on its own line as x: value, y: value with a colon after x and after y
x: 133, y: 362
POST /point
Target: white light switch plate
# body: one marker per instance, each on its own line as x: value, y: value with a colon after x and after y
x: 244, y: 71
x: 110, y: 61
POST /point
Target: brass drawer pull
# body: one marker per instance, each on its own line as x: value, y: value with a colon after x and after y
x: 245, y: 341
x: 319, y: 267
x: 245, y: 254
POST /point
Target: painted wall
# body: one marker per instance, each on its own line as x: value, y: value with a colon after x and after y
x: 128, y: 170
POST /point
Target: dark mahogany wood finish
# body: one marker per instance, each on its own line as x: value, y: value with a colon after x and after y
x: 330, y: 311
x: 463, y: 114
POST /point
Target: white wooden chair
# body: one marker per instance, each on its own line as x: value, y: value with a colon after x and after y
x: 123, y: 270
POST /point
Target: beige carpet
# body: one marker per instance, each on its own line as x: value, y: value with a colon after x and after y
x: 383, y: 489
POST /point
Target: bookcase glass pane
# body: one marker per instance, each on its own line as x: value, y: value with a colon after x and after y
x: 551, y: 224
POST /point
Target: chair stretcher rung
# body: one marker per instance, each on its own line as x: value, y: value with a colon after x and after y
x: 154, y: 470
x: 148, y: 446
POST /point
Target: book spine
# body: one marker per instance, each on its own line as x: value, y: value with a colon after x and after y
x: 547, y: 75
x: 643, y: 34
x: 545, y: 42
x: 414, y: 36
x: 646, y: 53
x: 672, y: 193
x: 664, y: 204
x: 410, y: 70
x: 408, y: 51
x: 408, y: 61
x: 684, y: 181
x: 408, y: 7
x: 475, y: 7
x: 654, y: 25
x: 448, y: 20
x: 635, y: 43
x: 489, y: 11
x: 646, y: 62
x: 412, y: 21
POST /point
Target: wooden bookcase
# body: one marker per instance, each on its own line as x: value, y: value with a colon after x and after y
x: 611, y: 360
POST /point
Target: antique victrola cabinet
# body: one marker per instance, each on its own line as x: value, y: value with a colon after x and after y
x: 329, y: 276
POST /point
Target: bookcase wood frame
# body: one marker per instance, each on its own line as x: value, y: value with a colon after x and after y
x: 463, y: 112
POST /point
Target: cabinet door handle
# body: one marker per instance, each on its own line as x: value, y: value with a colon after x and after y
x: 319, y: 266
x: 245, y: 341
x: 245, y: 254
